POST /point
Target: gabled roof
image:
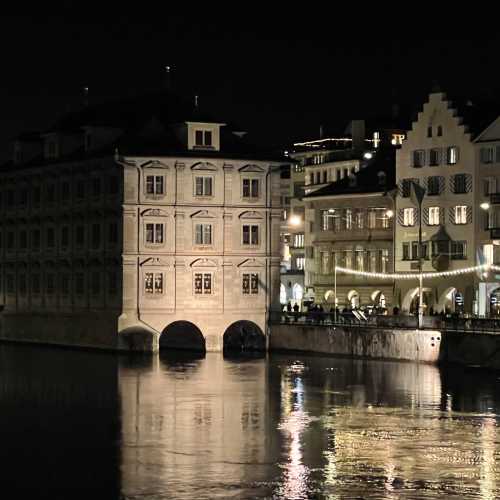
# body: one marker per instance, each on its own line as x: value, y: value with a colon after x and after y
x: 367, y: 179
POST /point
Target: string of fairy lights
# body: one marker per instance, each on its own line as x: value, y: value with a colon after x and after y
x: 412, y: 276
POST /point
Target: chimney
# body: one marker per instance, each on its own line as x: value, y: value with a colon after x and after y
x: 358, y: 135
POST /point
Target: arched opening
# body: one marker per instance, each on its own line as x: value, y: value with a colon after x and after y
x: 451, y: 300
x: 495, y: 303
x: 378, y: 299
x: 298, y: 292
x: 244, y: 336
x: 282, y: 294
x: 411, y: 301
x: 353, y: 299
x: 182, y: 335
x: 330, y: 297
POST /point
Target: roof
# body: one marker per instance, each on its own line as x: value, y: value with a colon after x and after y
x: 367, y: 178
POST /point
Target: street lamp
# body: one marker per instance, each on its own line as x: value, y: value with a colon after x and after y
x: 295, y: 220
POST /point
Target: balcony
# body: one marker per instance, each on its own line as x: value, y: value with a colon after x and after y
x: 378, y: 234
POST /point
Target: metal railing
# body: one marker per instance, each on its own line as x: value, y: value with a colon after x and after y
x: 448, y: 323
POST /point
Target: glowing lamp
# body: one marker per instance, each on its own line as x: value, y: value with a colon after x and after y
x: 368, y: 156
x: 389, y: 214
x: 295, y: 220
x: 485, y: 205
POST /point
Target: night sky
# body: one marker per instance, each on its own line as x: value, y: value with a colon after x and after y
x: 278, y: 76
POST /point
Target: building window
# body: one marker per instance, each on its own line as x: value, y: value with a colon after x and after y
x: 155, y: 185
x: 35, y: 283
x: 23, y: 287
x: 35, y: 240
x: 328, y: 219
x: 360, y: 260
x: 458, y: 250
x: 250, y: 234
x: 79, y: 283
x: 434, y: 213
x: 80, y: 236
x: 65, y: 237
x: 452, y: 155
x: 434, y: 185
x: 298, y: 240
x: 384, y: 260
x: 65, y: 192
x: 418, y: 158
x: 439, y: 131
x: 203, y: 186
x: 325, y: 262
x: 51, y: 237
x: 203, y: 234
x: 414, y: 250
x: 250, y: 188
x: 96, y: 236
x: 23, y: 240
x: 153, y: 283
x: 65, y: 284
x: 250, y: 284
x: 36, y: 196
x: 348, y: 219
x: 460, y: 184
x: 488, y: 254
x: 95, y: 283
x: 50, y: 194
x: 487, y: 154
x: 10, y: 283
x: 300, y: 263
x: 51, y: 283
x: 408, y: 216
x: 490, y: 186
x: 406, y: 251
x: 154, y: 233
x: 429, y: 131
x: 203, y: 138
x: 360, y: 219
x: 10, y: 240
x: 203, y: 283
x: 460, y: 214
x: 80, y: 190
x: 434, y: 157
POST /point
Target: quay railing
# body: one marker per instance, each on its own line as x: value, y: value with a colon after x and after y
x: 401, y: 322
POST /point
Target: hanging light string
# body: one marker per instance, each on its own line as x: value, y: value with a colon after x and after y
x: 413, y: 276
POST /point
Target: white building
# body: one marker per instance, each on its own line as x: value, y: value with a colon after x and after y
x: 440, y: 155
x: 139, y: 224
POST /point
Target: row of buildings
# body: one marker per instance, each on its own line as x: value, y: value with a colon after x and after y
x: 349, y: 204
x: 145, y: 223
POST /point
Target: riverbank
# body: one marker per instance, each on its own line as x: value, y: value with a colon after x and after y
x: 424, y: 346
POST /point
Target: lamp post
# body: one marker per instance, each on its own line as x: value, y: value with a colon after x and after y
x: 417, y: 196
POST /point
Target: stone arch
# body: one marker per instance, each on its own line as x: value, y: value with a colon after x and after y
x: 412, y: 295
x: 353, y: 299
x: 244, y: 336
x: 182, y: 335
x: 298, y: 292
x: 330, y: 297
x: 446, y: 299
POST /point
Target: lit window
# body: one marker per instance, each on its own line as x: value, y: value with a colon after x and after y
x: 460, y: 214
x: 452, y: 155
x: 348, y: 218
x: 488, y: 254
x: 202, y: 283
x: 203, y: 186
x: 408, y: 216
x: 300, y: 262
x: 155, y: 184
x: 203, y: 234
x: 433, y: 216
x: 384, y: 260
x: 153, y: 283
x: 298, y: 240
x: 250, y: 188
x: 250, y: 284
x: 154, y: 233
x: 250, y: 234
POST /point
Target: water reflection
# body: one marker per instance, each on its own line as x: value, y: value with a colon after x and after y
x: 182, y: 427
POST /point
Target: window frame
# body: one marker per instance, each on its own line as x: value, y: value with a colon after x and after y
x: 250, y: 233
x: 204, y: 177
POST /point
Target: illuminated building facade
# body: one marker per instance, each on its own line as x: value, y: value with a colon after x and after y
x: 444, y: 153
x: 130, y: 217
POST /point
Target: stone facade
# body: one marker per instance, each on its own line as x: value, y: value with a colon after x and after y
x: 108, y: 238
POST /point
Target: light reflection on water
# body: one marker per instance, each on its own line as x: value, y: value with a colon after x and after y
x: 178, y: 427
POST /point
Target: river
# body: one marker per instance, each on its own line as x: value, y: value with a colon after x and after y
x: 78, y: 424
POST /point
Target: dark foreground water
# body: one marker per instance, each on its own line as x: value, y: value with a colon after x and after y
x: 92, y: 425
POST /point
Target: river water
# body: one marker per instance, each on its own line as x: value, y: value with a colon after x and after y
x: 96, y: 425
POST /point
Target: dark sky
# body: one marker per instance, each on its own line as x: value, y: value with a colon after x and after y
x: 280, y: 76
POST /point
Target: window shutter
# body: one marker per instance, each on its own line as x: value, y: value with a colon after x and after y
x: 451, y: 215
x: 425, y: 217
x: 468, y: 183
x: 441, y: 184
x: 401, y: 217
x: 452, y: 183
x: 469, y: 214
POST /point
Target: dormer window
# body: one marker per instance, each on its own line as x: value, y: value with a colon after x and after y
x: 203, y: 138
